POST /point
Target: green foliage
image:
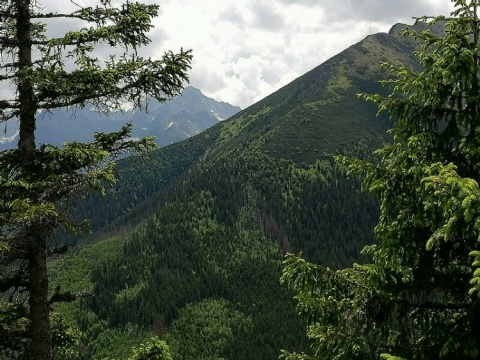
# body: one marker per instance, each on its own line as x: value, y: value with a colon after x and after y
x: 65, y: 339
x: 13, y: 321
x: 72, y: 269
x: 152, y: 350
x: 415, y: 300
x: 33, y: 195
x: 206, y: 330
x: 102, y: 342
x: 390, y: 357
x: 219, y: 232
x: 138, y: 188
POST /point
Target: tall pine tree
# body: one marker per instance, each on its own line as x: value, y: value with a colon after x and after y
x: 419, y: 298
x: 37, y: 184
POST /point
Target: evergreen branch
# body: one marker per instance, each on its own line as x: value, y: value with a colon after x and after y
x: 7, y: 333
x: 7, y: 77
x: 15, y: 280
x: 19, y: 251
x: 74, y: 15
x: 9, y: 65
x: 8, y: 104
x: 5, y: 117
x: 159, y: 79
x: 8, y: 42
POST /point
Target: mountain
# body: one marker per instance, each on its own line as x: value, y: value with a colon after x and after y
x: 199, y: 230
x: 182, y: 117
x: 320, y: 111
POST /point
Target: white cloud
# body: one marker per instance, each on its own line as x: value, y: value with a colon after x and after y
x: 246, y: 49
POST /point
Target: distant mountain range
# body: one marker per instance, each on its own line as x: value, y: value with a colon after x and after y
x: 182, y: 117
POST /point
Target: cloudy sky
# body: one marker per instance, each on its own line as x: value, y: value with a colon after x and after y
x: 246, y: 49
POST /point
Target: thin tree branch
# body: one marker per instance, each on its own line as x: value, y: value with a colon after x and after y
x: 16, y: 280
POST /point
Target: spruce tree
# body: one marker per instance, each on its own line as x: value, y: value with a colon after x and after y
x: 38, y: 184
x: 419, y: 296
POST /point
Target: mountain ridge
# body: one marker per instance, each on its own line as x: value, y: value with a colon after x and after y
x: 185, y: 115
x: 322, y: 104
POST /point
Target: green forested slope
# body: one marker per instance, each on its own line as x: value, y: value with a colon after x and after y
x: 222, y: 235
x: 141, y: 184
x: 217, y: 213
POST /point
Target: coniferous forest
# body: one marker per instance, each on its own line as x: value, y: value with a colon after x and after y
x: 315, y: 224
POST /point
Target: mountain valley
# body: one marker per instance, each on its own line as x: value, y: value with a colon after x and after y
x: 188, y: 244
